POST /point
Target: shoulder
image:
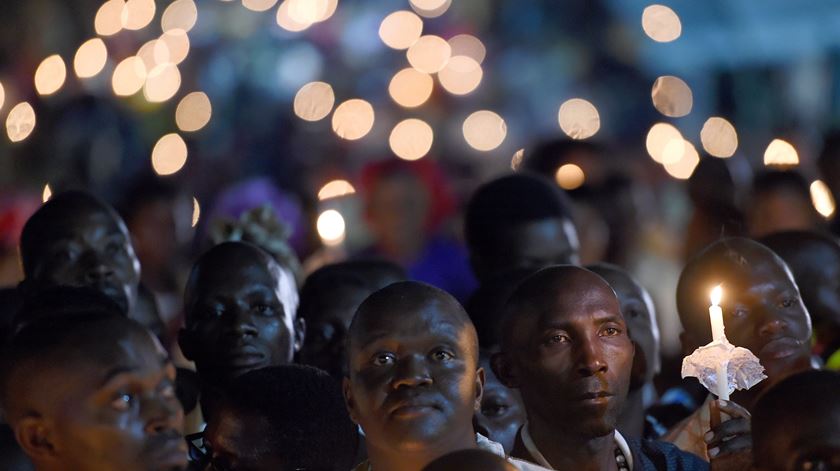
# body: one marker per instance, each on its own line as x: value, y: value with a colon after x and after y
x: 656, y: 455
x: 523, y: 465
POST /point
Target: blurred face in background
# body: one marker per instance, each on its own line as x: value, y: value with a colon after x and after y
x: 396, y: 214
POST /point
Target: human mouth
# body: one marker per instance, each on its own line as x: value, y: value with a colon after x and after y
x: 244, y: 357
x: 780, y: 348
x: 169, y: 453
x: 412, y: 409
x: 595, y: 397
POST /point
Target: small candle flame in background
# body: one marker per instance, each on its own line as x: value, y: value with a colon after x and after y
x: 717, y: 294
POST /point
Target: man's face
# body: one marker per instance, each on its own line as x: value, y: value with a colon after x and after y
x: 534, y: 245
x: 807, y: 444
x: 238, y: 319
x: 820, y: 287
x: 90, y: 248
x: 326, y: 330
x: 414, y: 382
x: 238, y: 442
x: 501, y: 412
x: 571, y: 361
x: 641, y: 326
x: 119, y: 413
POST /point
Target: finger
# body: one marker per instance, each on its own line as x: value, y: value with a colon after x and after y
x: 733, y: 410
x: 728, y: 429
x: 741, y: 444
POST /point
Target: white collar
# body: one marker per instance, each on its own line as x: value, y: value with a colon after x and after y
x: 540, y: 459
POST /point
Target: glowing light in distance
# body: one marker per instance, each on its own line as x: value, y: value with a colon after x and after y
x: 285, y: 21
x: 579, y: 119
x: 137, y: 14
x: 671, y: 96
x: 441, y: 6
x: 108, y: 19
x: 196, y: 212
x: 684, y: 167
x: 20, y: 122
x: 664, y: 143
x: 570, y: 177
x: 780, y: 152
x: 719, y: 138
x: 147, y: 53
x: 427, y: 4
x: 180, y: 14
x: 259, y: 5
x: 822, y: 198
x: 411, y: 139
x: 47, y: 194
x: 429, y: 54
x: 516, y: 160
x: 169, y: 154
x: 162, y: 83
x: 484, y: 130
x: 353, y: 119
x: 468, y: 45
x: 331, y: 227
x: 90, y: 58
x: 661, y: 23
x: 461, y: 75
x: 314, y: 101
x: 50, y: 75
x: 410, y: 87
x: 335, y: 189
x: 401, y: 29
x: 308, y: 11
x: 172, y: 47
x: 193, y: 112
x: 129, y: 76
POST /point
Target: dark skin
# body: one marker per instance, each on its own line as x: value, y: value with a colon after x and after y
x: 240, y: 313
x: 501, y: 413
x: 414, y: 382
x: 236, y: 441
x: 470, y: 460
x: 111, y: 407
x: 795, y: 441
x: 569, y: 354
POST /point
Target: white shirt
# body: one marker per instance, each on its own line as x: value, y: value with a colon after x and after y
x: 620, y: 441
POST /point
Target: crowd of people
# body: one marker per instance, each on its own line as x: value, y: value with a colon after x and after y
x: 375, y: 363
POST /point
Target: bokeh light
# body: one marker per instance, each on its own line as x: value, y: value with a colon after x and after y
x: 468, y: 45
x: 50, y: 75
x: 108, y: 20
x: 314, y: 101
x: 149, y: 51
x: 47, y: 193
x: 665, y: 143
x: 570, y: 177
x: 162, y: 83
x: 683, y: 168
x: 172, y: 47
x: 331, y: 227
x: 822, y: 198
x: 308, y: 11
x: 516, y: 160
x: 196, y: 214
x: 90, y: 58
x: 137, y: 14
x: 353, y: 119
x: 129, y: 76
x: 461, y: 75
x: 661, y: 23
x: 719, y: 138
x: 335, y: 189
x: 429, y: 54
x: 579, y: 119
x: 401, y: 29
x: 285, y: 21
x: 410, y: 87
x: 193, y: 112
x: 2, y: 96
x: 259, y: 5
x: 20, y: 122
x: 411, y: 139
x: 780, y: 152
x: 180, y: 14
x: 672, y: 96
x: 439, y: 7
x: 484, y: 130
x: 169, y: 154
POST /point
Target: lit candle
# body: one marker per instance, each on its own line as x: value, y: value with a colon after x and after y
x: 719, y: 335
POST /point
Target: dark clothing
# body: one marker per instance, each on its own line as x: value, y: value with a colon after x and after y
x: 652, y: 455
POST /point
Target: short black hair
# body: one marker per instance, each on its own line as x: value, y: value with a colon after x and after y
x: 486, y: 305
x: 828, y: 161
x: 62, y: 301
x: 510, y: 200
x: 309, y: 424
x: 778, y: 180
x: 364, y: 275
x: 550, y: 154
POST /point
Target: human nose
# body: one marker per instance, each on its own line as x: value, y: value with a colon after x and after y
x: 590, y: 359
x: 240, y: 322
x: 411, y: 371
x: 97, y: 270
x: 163, y: 415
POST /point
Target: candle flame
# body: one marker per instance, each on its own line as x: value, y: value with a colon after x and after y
x: 717, y: 294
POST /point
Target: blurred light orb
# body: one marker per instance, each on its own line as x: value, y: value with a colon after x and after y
x: 468, y: 45
x: 314, y: 101
x: 148, y: 52
x: 719, y: 138
x: 47, y: 194
x: 129, y: 76
x: 2, y: 96
x: 672, y: 96
x: 137, y: 14
x: 90, y: 58
x: 196, y: 214
x: 401, y: 29
x: 461, y: 75
x: 822, y: 199
x: 661, y: 23
x: 353, y: 119
x: 300, y: 64
x: 335, y: 189
x: 180, y: 14
x: 172, y: 47
x: 484, y: 130
x: 20, y: 122
x: 570, y: 177
x: 684, y: 168
x: 579, y: 118
x: 429, y: 54
x: 308, y: 11
x: 411, y: 139
x: 411, y: 88
x: 108, y: 20
x: 331, y: 227
x: 440, y: 7
x: 516, y: 160
x: 285, y: 21
x: 259, y: 5
x: 780, y: 152
x: 50, y: 75
x: 663, y: 137
x: 193, y: 112
x: 169, y: 154
x: 162, y: 83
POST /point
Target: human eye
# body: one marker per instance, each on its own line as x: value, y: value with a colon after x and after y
x: 740, y: 312
x: 384, y: 359
x: 612, y: 331
x: 494, y: 409
x: 123, y: 401
x: 557, y: 338
x: 264, y: 309
x: 443, y: 355
x: 788, y: 302
x: 166, y: 389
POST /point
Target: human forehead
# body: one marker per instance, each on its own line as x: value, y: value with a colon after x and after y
x: 414, y: 325
x: 88, y: 222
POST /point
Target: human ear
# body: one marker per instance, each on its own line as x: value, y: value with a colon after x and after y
x: 349, y: 402
x: 479, y: 388
x: 300, y: 333
x: 504, y: 370
x: 35, y: 438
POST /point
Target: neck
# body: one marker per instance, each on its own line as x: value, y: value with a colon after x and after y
x: 393, y: 459
x: 566, y: 448
x: 631, y: 422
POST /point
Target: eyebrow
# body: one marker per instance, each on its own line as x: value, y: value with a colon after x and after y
x: 165, y: 361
